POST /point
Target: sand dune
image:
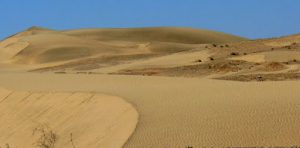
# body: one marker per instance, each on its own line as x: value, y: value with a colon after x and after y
x: 181, y: 112
x: 172, y: 60
x: 283, y: 41
x: 187, y: 97
x: 44, y: 46
x: 159, y: 34
x: 61, y: 119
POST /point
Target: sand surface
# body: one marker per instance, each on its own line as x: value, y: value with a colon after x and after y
x: 181, y: 112
x: 187, y: 97
x: 61, y: 119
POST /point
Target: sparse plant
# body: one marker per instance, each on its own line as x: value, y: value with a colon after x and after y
x: 214, y: 45
x: 199, y: 61
x: 47, y: 137
x: 211, y: 58
x: 288, y: 47
x: 234, y: 53
x: 226, y: 45
x: 71, y: 140
x: 259, y: 78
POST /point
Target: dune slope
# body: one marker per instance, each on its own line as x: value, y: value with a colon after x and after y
x: 159, y: 34
x: 61, y: 119
x: 182, y: 112
x: 38, y: 45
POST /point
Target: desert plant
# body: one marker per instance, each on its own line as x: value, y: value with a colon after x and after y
x: 71, y: 140
x: 259, y: 78
x: 234, y: 53
x: 288, y: 47
x: 47, y: 137
x: 215, y: 45
x: 199, y: 61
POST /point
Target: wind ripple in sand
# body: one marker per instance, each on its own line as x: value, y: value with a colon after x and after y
x: 32, y: 119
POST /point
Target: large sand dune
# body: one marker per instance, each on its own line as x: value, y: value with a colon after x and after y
x: 39, y: 45
x: 159, y: 34
x: 181, y: 112
x: 59, y: 119
x: 180, y: 98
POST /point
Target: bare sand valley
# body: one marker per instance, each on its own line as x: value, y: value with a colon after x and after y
x: 148, y: 87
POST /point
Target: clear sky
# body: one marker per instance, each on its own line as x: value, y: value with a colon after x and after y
x: 248, y: 18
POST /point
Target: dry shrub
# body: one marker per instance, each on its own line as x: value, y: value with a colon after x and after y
x: 46, y: 137
x: 234, y: 53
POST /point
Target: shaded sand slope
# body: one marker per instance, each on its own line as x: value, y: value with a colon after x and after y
x: 59, y: 119
x: 159, y: 34
x: 39, y: 45
x: 181, y: 112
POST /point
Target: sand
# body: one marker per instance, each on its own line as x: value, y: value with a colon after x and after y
x: 274, y: 56
x: 256, y: 58
x: 61, y: 119
x: 73, y: 77
x: 181, y: 112
x: 172, y: 60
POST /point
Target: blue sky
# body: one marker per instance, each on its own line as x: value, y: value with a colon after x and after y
x: 248, y: 18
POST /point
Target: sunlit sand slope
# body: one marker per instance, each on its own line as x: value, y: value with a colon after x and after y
x: 64, y: 120
x: 182, y: 112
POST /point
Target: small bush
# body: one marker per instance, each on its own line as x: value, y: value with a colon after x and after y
x: 211, y: 58
x: 215, y: 45
x: 259, y: 78
x: 199, y: 61
x: 288, y: 47
x: 234, y: 53
x: 47, y: 138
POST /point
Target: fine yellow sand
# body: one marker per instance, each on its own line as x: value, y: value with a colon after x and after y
x: 59, y: 119
x: 172, y: 60
x: 178, y: 112
x: 56, y: 81
x: 256, y: 58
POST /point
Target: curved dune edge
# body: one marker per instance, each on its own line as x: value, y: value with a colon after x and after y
x: 61, y: 119
x: 10, y: 47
